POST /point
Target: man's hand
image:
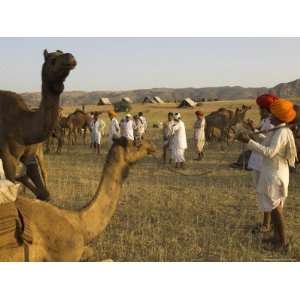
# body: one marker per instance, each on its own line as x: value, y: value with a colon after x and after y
x: 243, y: 137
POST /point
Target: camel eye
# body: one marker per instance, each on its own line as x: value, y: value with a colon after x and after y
x: 53, y: 61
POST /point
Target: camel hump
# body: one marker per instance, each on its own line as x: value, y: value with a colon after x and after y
x: 14, y: 229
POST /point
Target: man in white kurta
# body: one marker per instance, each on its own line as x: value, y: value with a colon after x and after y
x: 199, y: 133
x: 96, y: 133
x: 279, y: 152
x: 168, y: 138
x: 144, y: 124
x: 114, y: 130
x: 128, y: 128
x: 179, y: 144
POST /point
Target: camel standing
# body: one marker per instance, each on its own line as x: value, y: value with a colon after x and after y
x: 21, y: 128
x: 77, y: 121
x: 62, y: 235
x: 222, y: 120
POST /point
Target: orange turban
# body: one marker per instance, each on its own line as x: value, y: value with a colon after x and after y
x: 283, y: 110
x: 112, y: 113
x: 266, y: 100
x: 199, y: 113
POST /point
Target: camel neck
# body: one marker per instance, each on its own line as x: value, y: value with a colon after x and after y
x: 96, y: 215
x: 38, y: 125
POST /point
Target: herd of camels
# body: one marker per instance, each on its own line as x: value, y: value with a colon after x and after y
x: 42, y: 231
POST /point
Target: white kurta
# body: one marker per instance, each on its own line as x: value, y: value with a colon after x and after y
x: 277, y: 149
x: 144, y: 122
x: 102, y: 126
x: 138, y: 128
x: 114, y: 130
x: 96, y: 132
x: 255, y: 159
x: 179, y: 143
x: 128, y: 130
x: 199, y: 134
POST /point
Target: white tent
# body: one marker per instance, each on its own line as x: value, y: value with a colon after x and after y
x: 187, y: 102
x: 127, y: 100
x: 104, y: 101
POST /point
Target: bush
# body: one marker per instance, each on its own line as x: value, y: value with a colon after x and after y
x: 122, y: 106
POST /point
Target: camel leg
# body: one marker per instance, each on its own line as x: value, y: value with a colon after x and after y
x: 27, y: 183
x: 42, y: 165
x: 34, y: 174
x: 9, y: 163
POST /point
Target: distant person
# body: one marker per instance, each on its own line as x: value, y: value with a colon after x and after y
x: 102, y: 125
x: 179, y: 144
x: 144, y: 123
x: 168, y: 138
x: 264, y: 103
x: 91, y: 125
x: 199, y: 134
x: 96, y: 133
x: 114, y: 130
x: 279, y: 153
x: 128, y: 128
x: 138, y: 128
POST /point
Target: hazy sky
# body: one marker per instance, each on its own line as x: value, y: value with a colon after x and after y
x: 133, y: 63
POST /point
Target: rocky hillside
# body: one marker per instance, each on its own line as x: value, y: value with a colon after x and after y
x: 290, y: 89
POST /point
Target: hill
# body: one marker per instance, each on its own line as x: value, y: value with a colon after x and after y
x: 290, y: 89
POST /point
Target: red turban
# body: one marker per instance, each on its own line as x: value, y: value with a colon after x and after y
x: 199, y: 113
x: 283, y: 110
x: 266, y: 100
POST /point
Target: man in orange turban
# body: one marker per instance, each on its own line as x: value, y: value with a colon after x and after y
x: 279, y: 153
x: 264, y: 103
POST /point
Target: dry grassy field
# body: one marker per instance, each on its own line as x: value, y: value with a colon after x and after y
x: 203, y: 213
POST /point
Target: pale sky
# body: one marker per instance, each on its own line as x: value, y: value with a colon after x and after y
x: 134, y: 63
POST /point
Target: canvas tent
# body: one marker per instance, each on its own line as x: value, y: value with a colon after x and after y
x: 126, y: 99
x: 187, y: 102
x: 158, y: 100
x: 153, y: 100
x: 104, y: 101
x: 149, y: 100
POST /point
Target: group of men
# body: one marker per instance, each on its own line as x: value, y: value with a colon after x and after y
x: 175, y: 140
x: 132, y: 128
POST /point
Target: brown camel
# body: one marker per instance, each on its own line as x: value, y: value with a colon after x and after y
x: 77, y: 121
x: 58, y: 135
x: 20, y: 127
x: 222, y: 119
x: 62, y: 235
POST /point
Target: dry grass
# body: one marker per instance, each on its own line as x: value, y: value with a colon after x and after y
x: 204, y: 213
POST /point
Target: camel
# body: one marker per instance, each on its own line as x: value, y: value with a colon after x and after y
x: 77, y: 121
x: 222, y: 120
x: 63, y: 235
x: 20, y: 127
x: 58, y: 134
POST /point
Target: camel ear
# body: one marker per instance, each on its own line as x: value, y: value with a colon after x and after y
x: 46, y: 54
x: 59, y: 51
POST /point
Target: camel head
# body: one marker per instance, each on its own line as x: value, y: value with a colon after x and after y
x: 246, y: 108
x: 57, y: 66
x: 129, y: 152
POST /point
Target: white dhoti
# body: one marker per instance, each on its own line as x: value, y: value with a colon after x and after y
x: 199, y: 145
x: 178, y: 155
x: 96, y: 137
